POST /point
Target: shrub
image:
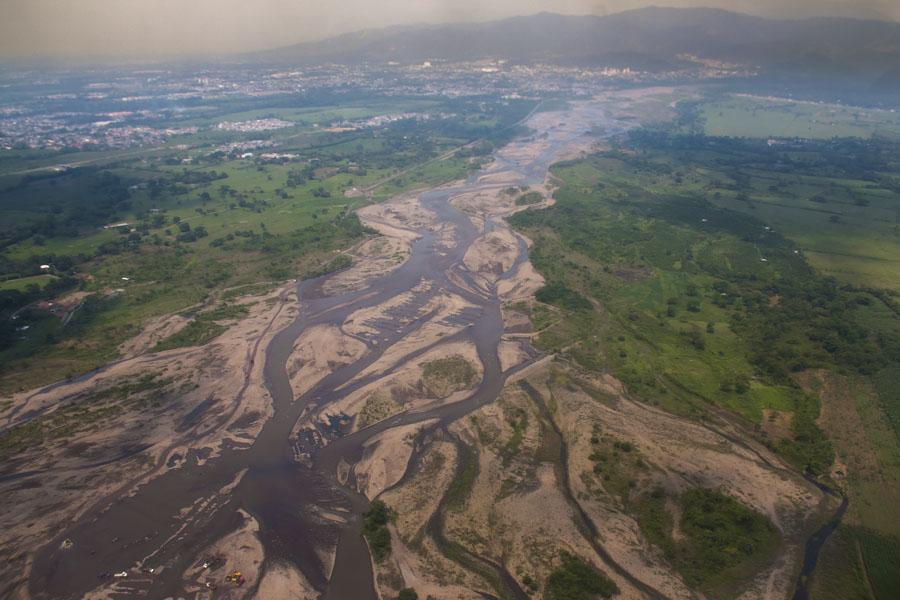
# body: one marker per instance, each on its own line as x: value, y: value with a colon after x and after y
x: 558, y: 294
x: 577, y: 580
x: 376, y: 531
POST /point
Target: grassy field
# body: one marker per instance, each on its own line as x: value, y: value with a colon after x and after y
x: 881, y: 555
x: 840, y: 574
x: 844, y: 216
x: 857, y: 564
x: 759, y: 117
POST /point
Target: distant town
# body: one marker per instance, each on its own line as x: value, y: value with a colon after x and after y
x: 154, y: 107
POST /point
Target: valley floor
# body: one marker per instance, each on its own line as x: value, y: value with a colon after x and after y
x: 479, y: 416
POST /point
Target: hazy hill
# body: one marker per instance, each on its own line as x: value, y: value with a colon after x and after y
x: 647, y: 38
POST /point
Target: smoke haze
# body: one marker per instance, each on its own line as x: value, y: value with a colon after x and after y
x: 160, y: 28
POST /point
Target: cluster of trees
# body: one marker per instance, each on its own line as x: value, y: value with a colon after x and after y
x: 482, y: 148
x: 529, y: 198
x: 187, y: 234
x: 298, y: 177
x: 256, y: 206
x: 338, y: 263
x: 12, y: 301
x: 62, y: 204
x: 852, y: 158
x: 376, y: 531
x: 815, y: 324
x: 557, y: 293
x: 575, y: 579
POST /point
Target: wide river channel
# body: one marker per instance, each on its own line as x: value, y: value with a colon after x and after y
x: 169, y: 521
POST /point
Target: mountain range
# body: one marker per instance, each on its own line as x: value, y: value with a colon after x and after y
x: 650, y: 38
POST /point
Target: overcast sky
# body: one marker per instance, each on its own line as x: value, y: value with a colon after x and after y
x: 134, y: 28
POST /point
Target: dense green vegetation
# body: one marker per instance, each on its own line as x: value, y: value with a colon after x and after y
x: 462, y: 484
x: 836, y: 199
x: 575, y: 579
x: 376, y: 531
x: 529, y: 198
x: 205, y: 327
x: 556, y: 292
x: 881, y: 554
x: 857, y: 564
x: 522, y: 195
x: 339, y: 262
x: 721, y: 542
x: 24, y: 284
x: 753, y: 117
x: 722, y: 532
x: 699, y: 303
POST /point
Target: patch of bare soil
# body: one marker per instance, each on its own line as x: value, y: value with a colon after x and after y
x: 776, y: 424
x: 416, y: 499
x: 516, y: 513
x: 373, y: 258
x: 516, y: 321
x: 492, y: 254
x: 841, y: 420
x: 678, y: 454
x: 319, y: 351
x: 522, y: 285
x: 400, y: 217
x: 414, y: 555
x: 385, y: 459
x: 441, y: 308
x: 491, y: 257
x: 399, y: 310
x: 155, y: 330
x: 503, y: 177
x: 403, y: 389
x: 511, y: 354
x: 284, y: 582
x: 134, y: 420
x: 498, y: 201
